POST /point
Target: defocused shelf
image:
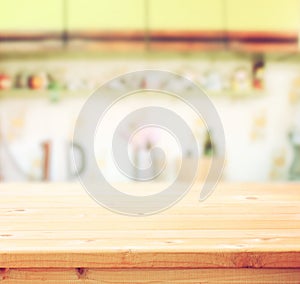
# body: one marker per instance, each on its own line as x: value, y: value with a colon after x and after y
x: 247, y: 94
x: 36, y: 94
x: 54, y: 95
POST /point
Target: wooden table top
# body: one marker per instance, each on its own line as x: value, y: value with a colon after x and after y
x: 239, y: 225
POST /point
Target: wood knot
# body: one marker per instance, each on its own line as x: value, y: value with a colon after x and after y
x: 80, y: 271
x: 6, y: 235
x: 3, y: 273
x: 251, y: 198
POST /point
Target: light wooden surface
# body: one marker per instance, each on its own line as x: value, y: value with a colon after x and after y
x: 58, y: 232
x: 150, y: 276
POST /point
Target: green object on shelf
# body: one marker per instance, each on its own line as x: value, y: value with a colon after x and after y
x: 54, y: 86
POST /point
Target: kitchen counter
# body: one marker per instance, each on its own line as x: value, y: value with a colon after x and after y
x: 243, y: 233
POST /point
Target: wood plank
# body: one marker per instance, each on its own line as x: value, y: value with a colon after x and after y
x: 208, y: 276
x: 180, y: 208
x: 128, y: 258
x: 108, y: 245
x: 255, y: 235
x: 240, y: 225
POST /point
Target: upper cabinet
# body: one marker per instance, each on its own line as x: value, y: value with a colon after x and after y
x: 263, y: 15
x: 185, y: 24
x: 186, y: 15
x: 263, y: 25
x: 110, y: 15
x: 106, y: 25
x: 31, y: 16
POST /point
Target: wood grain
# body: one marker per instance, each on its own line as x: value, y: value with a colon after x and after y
x: 49, y: 231
x: 150, y: 276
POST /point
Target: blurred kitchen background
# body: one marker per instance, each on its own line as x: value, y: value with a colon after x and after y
x: 245, y: 54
